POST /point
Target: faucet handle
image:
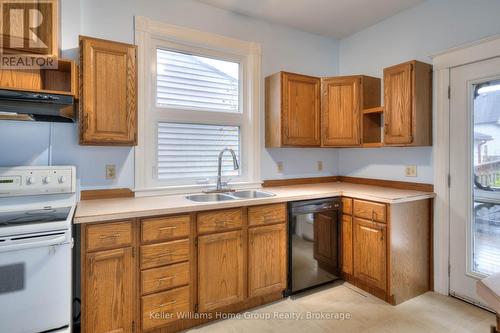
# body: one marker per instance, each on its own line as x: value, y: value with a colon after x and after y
x: 225, y: 183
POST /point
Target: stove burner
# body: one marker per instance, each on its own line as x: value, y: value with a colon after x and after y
x: 34, y: 216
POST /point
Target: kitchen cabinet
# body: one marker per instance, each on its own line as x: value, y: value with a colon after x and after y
x: 220, y: 270
x: 267, y: 264
x: 108, y: 97
x: 108, y: 286
x: 326, y: 236
x: 292, y: 110
x: 346, y: 238
x: 370, y: 253
x: 408, y: 104
x: 343, y: 100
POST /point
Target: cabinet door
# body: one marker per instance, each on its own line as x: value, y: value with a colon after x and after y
x: 341, y: 112
x: 108, y: 101
x: 266, y: 259
x: 347, y: 244
x: 220, y: 270
x: 301, y: 110
x: 370, y: 253
x: 398, y: 101
x: 325, y: 248
x: 108, y: 292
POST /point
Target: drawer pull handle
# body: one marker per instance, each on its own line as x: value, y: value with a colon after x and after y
x: 168, y: 303
x: 109, y: 236
x: 166, y: 278
x: 168, y: 228
x: 166, y: 254
x: 220, y: 223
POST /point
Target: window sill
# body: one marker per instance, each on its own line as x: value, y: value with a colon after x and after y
x: 190, y: 189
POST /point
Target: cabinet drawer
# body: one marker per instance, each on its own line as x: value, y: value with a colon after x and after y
x: 157, y: 279
x: 161, y: 254
x: 163, y: 308
x: 267, y: 214
x: 347, y: 206
x: 219, y: 220
x: 369, y: 210
x: 165, y: 228
x: 108, y: 235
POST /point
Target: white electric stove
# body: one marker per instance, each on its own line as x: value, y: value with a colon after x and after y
x: 36, y: 212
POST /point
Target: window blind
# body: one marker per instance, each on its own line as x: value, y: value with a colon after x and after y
x: 192, y: 150
x: 192, y: 82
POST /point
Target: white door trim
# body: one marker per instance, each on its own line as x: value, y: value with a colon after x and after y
x: 477, y: 51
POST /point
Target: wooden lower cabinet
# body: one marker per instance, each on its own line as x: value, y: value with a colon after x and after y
x: 109, y: 291
x: 267, y: 265
x: 370, y: 253
x: 347, y: 252
x: 220, y: 270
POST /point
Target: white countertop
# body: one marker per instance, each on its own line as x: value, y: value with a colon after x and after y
x: 122, y: 208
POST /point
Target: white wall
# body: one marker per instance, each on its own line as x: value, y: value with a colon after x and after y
x: 417, y: 33
x: 282, y: 49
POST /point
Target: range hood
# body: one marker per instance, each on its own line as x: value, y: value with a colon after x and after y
x: 33, y: 106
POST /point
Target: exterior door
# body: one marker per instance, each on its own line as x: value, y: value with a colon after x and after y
x: 475, y: 176
x: 267, y: 259
x: 301, y: 105
x: 108, y: 102
x: 370, y: 253
x: 398, y: 109
x: 341, y: 112
x: 220, y: 270
x: 109, y: 296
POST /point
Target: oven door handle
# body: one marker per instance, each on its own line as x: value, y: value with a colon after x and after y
x: 56, y: 241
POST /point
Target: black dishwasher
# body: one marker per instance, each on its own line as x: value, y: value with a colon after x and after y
x: 313, y: 243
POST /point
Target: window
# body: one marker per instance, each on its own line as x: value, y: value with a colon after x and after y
x: 201, y: 95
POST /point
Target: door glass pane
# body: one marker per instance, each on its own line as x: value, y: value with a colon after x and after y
x: 485, y: 235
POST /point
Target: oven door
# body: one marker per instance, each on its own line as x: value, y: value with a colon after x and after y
x: 35, y: 282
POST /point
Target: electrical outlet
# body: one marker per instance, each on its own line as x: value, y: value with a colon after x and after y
x: 279, y: 166
x: 319, y: 165
x: 110, y: 171
x: 411, y: 171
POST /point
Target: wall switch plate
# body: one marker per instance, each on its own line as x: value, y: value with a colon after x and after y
x: 319, y: 165
x: 279, y: 167
x: 411, y: 171
x: 110, y: 171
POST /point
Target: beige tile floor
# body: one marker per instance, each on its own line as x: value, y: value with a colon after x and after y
x: 428, y: 313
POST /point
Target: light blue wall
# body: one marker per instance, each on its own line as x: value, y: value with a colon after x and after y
x: 282, y: 49
x: 417, y: 33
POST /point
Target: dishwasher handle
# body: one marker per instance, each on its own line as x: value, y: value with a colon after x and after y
x: 315, y: 208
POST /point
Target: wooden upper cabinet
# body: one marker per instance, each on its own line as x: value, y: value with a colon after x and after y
x: 108, y: 99
x: 108, y: 293
x: 370, y: 253
x: 408, y: 104
x: 343, y: 99
x: 292, y: 110
x: 220, y: 270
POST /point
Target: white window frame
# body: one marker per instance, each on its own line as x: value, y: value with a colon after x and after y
x: 150, y: 35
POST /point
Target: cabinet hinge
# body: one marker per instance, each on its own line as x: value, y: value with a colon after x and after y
x: 196, y: 308
x: 449, y: 92
x: 411, y: 138
x: 196, y: 241
x: 133, y: 252
x: 133, y: 325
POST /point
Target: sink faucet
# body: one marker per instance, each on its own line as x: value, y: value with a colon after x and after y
x: 219, y: 187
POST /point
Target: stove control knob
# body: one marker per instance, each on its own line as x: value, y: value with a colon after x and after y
x: 61, y: 179
x: 31, y: 180
x: 47, y: 180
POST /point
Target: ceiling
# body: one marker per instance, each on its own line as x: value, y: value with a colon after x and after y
x: 332, y: 18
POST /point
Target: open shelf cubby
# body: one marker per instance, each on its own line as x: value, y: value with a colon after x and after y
x: 373, y: 122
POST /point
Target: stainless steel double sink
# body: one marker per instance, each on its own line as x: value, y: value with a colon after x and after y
x: 247, y: 194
